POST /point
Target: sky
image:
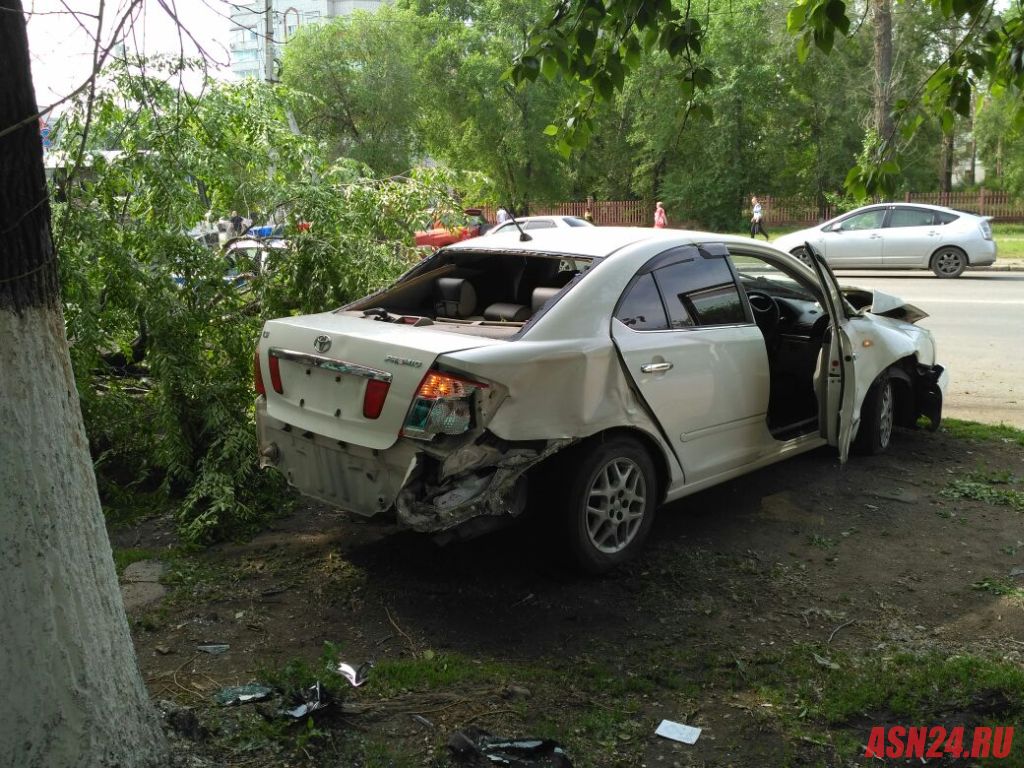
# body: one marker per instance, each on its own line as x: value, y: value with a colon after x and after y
x: 62, y: 51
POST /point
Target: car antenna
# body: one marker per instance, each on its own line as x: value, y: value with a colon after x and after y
x: 523, y: 237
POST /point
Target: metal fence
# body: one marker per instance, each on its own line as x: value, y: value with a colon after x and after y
x: 782, y: 211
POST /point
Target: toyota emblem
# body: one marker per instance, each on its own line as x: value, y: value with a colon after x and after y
x: 322, y: 343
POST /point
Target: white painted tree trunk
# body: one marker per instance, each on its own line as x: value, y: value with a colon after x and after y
x: 70, y: 691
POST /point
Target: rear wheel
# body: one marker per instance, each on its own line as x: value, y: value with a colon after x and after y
x: 949, y: 262
x: 877, y: 417
x: 608, y: 505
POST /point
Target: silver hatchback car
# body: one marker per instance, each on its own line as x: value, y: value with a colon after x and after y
x: 899, y: 236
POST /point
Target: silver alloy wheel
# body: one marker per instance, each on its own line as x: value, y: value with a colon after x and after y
x: 949, y: 262
x: 616, y: 503
x: 886, y: 414
x: 803, y: 255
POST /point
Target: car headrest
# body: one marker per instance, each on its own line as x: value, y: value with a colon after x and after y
x: 503, y: 310
x: 456, y: 297
x: 542, y: 296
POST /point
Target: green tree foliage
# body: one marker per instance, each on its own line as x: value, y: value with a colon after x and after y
x: 360, y: 83
x: 598, y: 43
x: 164, y: 365
x: 426, y: 80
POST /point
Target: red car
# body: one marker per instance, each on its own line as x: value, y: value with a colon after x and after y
x: 439, y: 235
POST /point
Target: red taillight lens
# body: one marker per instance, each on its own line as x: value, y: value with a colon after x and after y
x: 275, y: 375
x: 373, y: 400
x: 257, y: 374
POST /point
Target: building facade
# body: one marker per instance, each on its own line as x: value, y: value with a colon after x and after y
x: 248, y: 27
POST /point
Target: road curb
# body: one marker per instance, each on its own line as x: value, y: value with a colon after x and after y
x: 999, y: 268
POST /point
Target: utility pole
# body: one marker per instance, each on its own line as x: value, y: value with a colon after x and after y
x: 268, y: 41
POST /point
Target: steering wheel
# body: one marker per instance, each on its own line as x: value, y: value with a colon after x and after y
x: 766, y: 311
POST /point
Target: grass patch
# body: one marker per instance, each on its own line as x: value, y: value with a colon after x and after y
x: 435, y: 671
x: 811, y: 699
x: 125, y: 557
x: 999, y: 587
x: 987, y: 486
x: 973, y: 430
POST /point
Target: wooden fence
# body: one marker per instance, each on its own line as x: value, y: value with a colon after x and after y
x: 779, y: 211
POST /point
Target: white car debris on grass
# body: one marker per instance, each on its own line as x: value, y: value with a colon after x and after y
x: 597, y: 372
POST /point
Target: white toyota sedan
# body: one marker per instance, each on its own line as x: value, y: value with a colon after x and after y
x: 593, y: 374
x: 532, y: 223
x: 899, y: 236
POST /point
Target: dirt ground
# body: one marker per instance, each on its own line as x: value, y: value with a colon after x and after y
x: 756, y: 604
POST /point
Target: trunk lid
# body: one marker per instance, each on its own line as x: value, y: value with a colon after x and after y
x: 326, y: 362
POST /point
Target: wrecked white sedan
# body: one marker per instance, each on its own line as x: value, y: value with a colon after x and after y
x: 626, y: 367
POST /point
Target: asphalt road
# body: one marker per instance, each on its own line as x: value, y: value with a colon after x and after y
x: 978, y: 322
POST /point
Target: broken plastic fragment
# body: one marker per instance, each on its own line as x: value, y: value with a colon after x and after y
x: 355, y: 675
x: 825, y: 662
x: 474, y: 747
x: 242, y: 694
x: 313, y: 699
x: 213, y: 648
x: 687, y: 734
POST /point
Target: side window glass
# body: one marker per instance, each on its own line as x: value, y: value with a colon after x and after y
x: 866, y: 220
x: 641, y: 308
x: 911, y: 217
x: 539, y: 224
x: 946, y: 218
x: 700, y: 291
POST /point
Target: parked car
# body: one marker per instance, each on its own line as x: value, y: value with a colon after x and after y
x: 538, y: 222
x: 439, y: 235
x: 899, y: 236
x: 633, y: 366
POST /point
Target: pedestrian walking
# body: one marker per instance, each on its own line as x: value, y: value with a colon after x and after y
x: 588, y: 216
x: 757, y: 219
x: 502, y: 215
x: 236, y: 223
x: 660, y: 219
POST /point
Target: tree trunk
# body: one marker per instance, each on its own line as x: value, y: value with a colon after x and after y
x: 948, y: 153
x: 883, y: 68
x: 72, y: 693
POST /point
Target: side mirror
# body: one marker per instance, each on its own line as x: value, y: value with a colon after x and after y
x: 837, y: 227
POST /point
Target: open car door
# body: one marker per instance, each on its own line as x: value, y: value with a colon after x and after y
x: 836, y: 380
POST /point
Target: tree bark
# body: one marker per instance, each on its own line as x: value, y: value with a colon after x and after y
x: 72, y: 693
x: 948, y: 157
x: 883, y: 68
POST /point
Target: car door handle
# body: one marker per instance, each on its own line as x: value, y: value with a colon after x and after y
x: 655, y: 367
x: 875, y: 237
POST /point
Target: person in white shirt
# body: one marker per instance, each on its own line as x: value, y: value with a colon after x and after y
x: 757, y: 219
x: 503, y: 216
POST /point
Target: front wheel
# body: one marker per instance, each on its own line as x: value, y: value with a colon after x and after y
x: 609, y: 503
x: 948, y: 262
x: 877, y: 417
x: 802, y: 254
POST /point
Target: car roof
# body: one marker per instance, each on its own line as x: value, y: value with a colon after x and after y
x: 911, y: 204
x: 592, y: 242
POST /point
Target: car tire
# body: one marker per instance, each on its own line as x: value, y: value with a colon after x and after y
x: 609, y: 502
x: 948, y: 262
x: 877, y: 417
x: 801, y: 253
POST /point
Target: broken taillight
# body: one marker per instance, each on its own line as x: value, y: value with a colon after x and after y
x: 373, y: 399
x: 257, y: 374
x: 443, y: 405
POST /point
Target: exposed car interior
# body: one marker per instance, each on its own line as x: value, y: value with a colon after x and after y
x: 794, y: 325
x: 479, y: 293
